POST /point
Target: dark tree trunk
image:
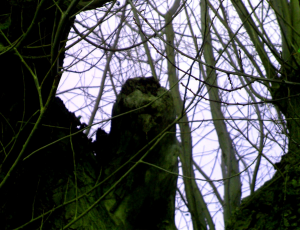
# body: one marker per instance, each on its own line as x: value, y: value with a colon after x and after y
x: 73, y: 183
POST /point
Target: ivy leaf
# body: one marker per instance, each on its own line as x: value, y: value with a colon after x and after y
x: 5, y: 21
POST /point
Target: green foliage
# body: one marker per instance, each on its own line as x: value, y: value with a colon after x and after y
x: 5, y: 21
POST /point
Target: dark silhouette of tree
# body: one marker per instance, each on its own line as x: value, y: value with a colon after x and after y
x: 51, y: 175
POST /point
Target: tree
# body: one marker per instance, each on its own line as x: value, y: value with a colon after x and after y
x: 225, y: 57
x: 282, y: 83
x: 52, y: 175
